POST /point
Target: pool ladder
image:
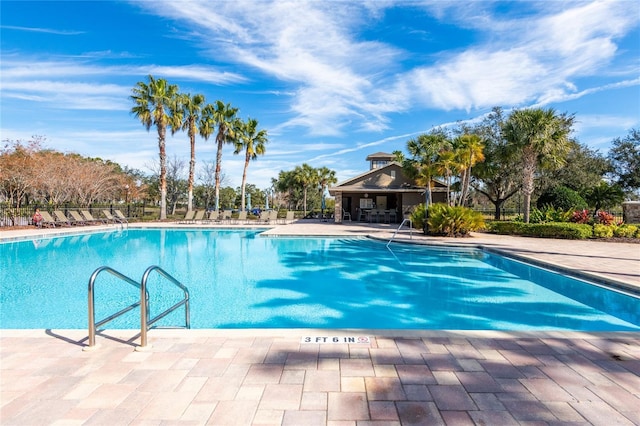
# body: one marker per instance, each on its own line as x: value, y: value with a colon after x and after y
x: 145, y: 320
x: 407, y: 220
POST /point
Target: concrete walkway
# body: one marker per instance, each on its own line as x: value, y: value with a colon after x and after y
x: 298, y: 377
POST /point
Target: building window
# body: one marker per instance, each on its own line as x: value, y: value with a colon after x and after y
x: 393, y: 174
x: 376, y: 164
x: 366, y: 203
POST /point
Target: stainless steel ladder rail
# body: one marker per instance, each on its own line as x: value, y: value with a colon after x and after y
x: 93, y: 325
x: 145, y: 321
x: 400, y: 227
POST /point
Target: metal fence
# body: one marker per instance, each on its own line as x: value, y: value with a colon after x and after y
x: 512, y: 214
x: 21, y: 216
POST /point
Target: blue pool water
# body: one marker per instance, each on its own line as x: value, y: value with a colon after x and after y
x: 238, y: 279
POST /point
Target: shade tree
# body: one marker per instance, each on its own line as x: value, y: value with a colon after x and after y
x: 624, y: 157
x: 541, y: 138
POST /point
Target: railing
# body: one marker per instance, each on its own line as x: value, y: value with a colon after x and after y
x: 93, y: 325
x: 145, y: 321
x: 400, y: 227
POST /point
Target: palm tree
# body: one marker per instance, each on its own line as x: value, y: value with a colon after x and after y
x: 542, y: 138
x: 253, y: 142
x: 423, y: 164
x: 186, y: 116
x: 446, y: 166
x: 468, y: 150
x: 306, y: 177
x: 152, y: 101
x: 326, y: 177
x: 223, y: 116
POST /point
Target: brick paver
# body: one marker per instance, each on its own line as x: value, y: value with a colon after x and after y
x: 114, y: 384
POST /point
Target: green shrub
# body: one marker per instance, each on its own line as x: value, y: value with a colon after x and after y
x: 549, y: 214
x: 506, y: 228
x: 561, y: 198
x: 625, y: 231
x: 549, y: 230
x: 572, y: 231
x: 602, y: 231
x: 417, y: 216
x: 453, y: 221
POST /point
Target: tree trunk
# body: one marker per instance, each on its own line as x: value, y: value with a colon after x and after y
x: 244, y: 178
x: 218, y: 165
x: 163, y: 172
x: 192, y: 168
x: 498, y: 205
x: 528, y: 175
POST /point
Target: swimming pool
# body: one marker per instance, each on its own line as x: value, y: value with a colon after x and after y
x: 238, y: 279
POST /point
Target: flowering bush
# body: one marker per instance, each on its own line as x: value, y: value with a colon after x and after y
x: 605, y: 218
x: 581, y: 216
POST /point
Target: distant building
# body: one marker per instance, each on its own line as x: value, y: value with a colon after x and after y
x: 383, y: 193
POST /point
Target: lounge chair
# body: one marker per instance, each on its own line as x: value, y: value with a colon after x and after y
x: 89, y: 217
x: 61, y: 218
x: 264, y: 217
x: 47, y: 220
x: 110, y: 217
x: 119, y: 215
x: 290, y: 217
x: 226, y: 216
x: 199, y: 217
x: 214, y: 216
x: 273, y: 216
x: 188, y: 217
x: 76, y: 219
x: 242, y: 217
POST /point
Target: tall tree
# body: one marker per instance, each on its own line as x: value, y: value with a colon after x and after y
x: 286, y: 183
x: 223, y: 116
x: 326, y: 177
x: 542, y: 138
x: 423, y: 164
x: 495, y: 178
x: 624, y: 157
x: 186, y: 115
x: 469, y: 151
x: 153, y: 101
x: 306, y: 177
x: 253, y: 142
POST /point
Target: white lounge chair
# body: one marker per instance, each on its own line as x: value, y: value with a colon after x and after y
x: 119, y: 215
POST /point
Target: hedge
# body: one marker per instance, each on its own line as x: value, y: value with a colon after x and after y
x: 574, y: 231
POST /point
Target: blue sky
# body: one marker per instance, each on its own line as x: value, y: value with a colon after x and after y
x: 330, y: 81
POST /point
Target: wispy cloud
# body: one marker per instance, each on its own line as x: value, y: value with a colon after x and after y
x: 535, y: 53
x: 41, y: 30
x: 57, y: 82
x: 534, y: 58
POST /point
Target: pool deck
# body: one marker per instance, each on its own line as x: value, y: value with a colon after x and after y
x: 273, y: 377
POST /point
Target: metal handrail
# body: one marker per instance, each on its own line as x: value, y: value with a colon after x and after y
x: 398, y: 230
x: 93, y: 325
x: 145, y: 321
